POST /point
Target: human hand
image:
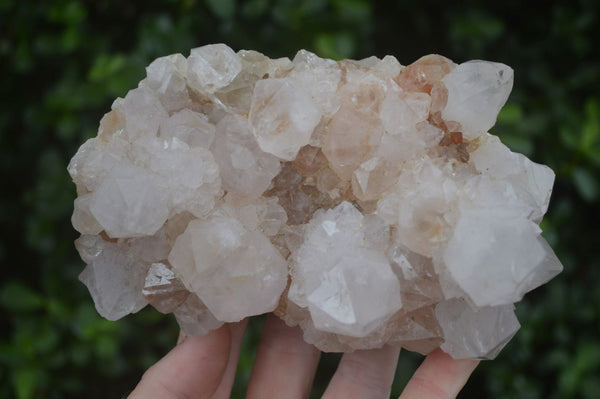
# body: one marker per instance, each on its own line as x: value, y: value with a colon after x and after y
x: 204, y: 367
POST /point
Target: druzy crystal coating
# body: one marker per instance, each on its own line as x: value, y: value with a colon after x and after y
x: 361, y: 200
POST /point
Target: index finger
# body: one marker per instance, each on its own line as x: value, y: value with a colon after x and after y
x: 193, y: 369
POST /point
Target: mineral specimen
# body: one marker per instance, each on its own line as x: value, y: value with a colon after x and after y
x: 361, y: 200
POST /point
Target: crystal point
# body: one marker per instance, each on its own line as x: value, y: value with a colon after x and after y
x: 477, y: 90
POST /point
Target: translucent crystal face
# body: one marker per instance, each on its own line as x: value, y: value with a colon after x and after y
x: 361, y: 200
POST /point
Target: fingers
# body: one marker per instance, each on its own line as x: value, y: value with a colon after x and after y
x: 364, y: 374
x: 192, y: 370
x: 285, y: 365
x: 204, y: 367
x: 439, y: 377
x: 237, y: 333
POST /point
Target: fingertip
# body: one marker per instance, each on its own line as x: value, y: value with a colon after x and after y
x: 285, y: 364
x: 439, y: 376
x: 364, y: 374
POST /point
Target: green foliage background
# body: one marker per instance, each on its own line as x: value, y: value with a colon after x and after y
x: 64, y: 61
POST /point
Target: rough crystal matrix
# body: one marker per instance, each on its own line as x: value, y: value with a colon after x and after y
x: 361, y: 200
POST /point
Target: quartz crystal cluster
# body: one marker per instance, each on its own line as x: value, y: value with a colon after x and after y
x: 361, y: 200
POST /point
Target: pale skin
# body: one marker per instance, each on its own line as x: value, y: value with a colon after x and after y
x: 204, y: 367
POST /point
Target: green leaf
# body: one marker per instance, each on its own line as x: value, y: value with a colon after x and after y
x: 354, y: 11
x: 510, y: 114
x: 583, y: 366
x: 10, y: 354
x: 106, y: 346
x: 335, y: 45
x: 224, y: 9
x: 91, y: 325
x: 569, y: 138
x: 106, y: 66
x: 17, y: 297
x: 591, y: 129
x: 46, y: 340
x: 255, y: 8
x: 25, y: 381
x: 71, y: 13
x: 79, y: 354
x: 586, y: 184
x: 520, y: 144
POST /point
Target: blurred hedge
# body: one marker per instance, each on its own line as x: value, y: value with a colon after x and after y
x: 64, y: 61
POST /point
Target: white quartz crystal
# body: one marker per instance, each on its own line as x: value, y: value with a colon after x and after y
x: 363, y: 201
x: 503, y: 241
x: 342, y: 275
x: 114, y: 277
x: 128, y: 203
x: 193, y: 128
x: 212, y: 67
x: 475, y: 332
x: 477, y: 90
x: 282, y: 117
x: 218, y: 256
x: 246, y: 171
x: 167, y: 77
